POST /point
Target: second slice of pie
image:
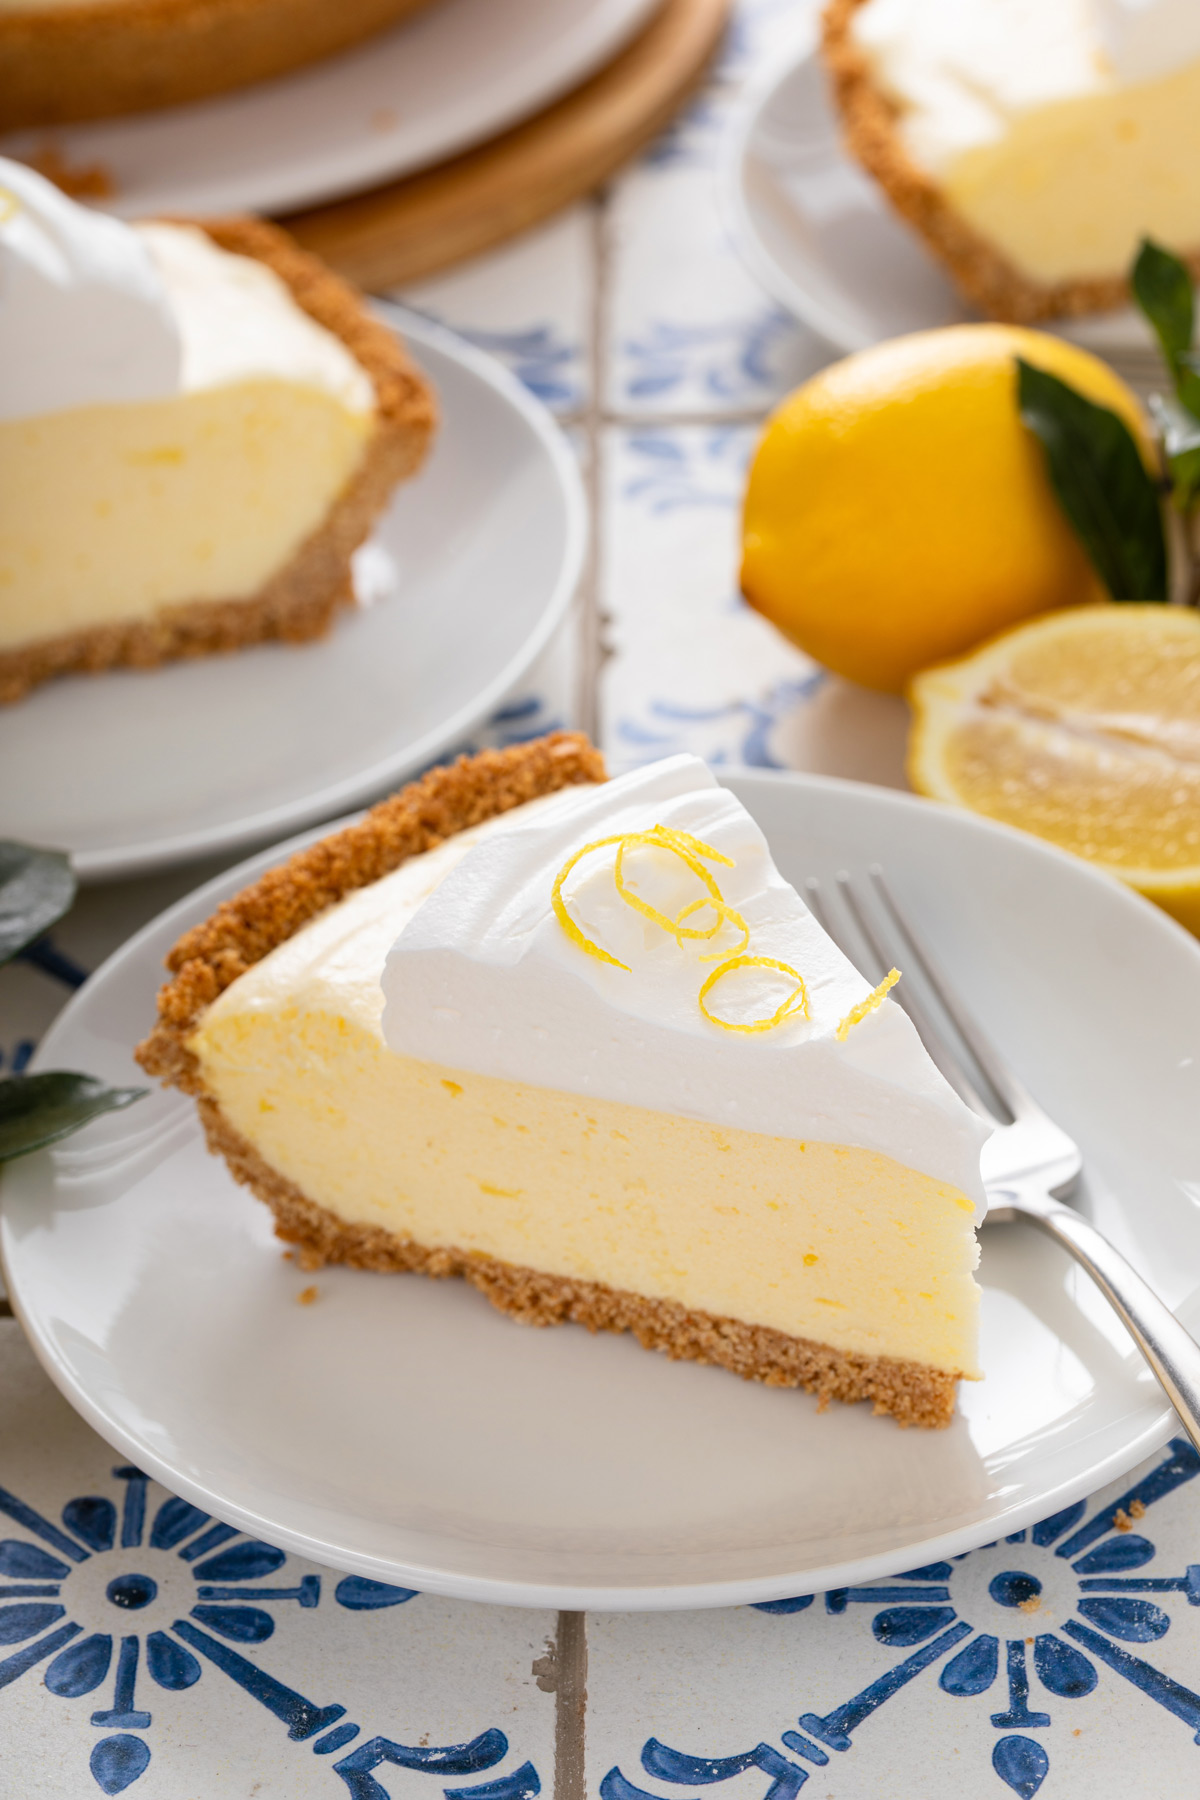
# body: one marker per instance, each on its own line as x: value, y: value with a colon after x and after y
x: 199, y: 424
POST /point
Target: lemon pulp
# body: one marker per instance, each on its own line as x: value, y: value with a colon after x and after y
x: 1083, y: 728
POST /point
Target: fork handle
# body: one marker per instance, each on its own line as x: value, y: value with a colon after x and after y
x: 1170, y: 1350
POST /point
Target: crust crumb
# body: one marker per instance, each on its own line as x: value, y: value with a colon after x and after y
x: 306, y: 1296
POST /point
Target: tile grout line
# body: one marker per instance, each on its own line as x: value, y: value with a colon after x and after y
x: 570, y: 1644
x: 668, y: 421
x: 570, y: 1706
x: 589, y: 418
x: 593, y: 652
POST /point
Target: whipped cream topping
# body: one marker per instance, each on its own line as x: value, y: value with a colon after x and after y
x: 85, y: 316
x: 239, y: 322
x: 94, y: 311
x: 1146, y: 39
x: 961, y: 70
x: 484, y: 978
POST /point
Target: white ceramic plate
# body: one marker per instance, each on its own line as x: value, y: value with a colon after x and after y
x: 473, y: 566
x: 402, y: 1429
x: 451, y: 77
x: 822, y: 239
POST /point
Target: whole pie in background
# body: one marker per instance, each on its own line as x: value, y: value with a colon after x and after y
x: 93, y: 59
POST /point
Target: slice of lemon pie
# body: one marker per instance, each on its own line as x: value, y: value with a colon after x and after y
x: 198, y: 426
x: 580, y: 1042
x: 1032, y: 143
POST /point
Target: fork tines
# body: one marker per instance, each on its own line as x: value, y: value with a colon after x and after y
x: 868, y: 917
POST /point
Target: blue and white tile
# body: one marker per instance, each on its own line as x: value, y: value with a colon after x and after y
x: 762, y: 35
x: 691, y: 667
x: 547, y: 699
x: 691, y: 332
x: 144, y: 1647
x: 1066, y: 1657
x: 528, y: 303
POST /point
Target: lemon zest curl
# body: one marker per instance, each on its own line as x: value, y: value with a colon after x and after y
x: 663, y: 837
x: 724, y: 912
x: 874, y: 998
x: 797, y: 1000
x: 560, y: 906
x: 691, y: 851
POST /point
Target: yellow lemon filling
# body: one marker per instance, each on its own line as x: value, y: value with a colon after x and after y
x: 111, y: 512
x: 821, y: 1241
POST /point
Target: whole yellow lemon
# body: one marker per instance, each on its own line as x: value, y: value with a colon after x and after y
x: 898, y: 511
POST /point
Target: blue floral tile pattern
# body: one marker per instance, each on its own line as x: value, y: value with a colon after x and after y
x: 761, y: 35
x: 694, y: 668
x: 691, y: 333
x: 1029, y: 1628
x: 131, y: 1621
x: 528, y: 304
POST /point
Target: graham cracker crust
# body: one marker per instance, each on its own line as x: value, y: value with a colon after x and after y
x: 981, y: 271
x: 447, y: 800
x: 211, y: 956
x: 300, y: 601
x: 911, y: 1393
x: 97, y: 59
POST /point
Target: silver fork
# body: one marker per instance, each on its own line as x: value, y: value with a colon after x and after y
x: 1029, y: 1162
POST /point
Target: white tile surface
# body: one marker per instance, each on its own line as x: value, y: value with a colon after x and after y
x: 761, y: 35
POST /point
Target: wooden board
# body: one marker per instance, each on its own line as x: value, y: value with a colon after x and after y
x: 412, y: 228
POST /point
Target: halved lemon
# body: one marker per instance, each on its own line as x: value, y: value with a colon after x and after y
x: 1082, y: 727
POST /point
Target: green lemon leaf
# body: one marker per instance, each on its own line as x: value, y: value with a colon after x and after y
x: 1162, y: 288
x: 1187, y: 381
x: 1101, y: 483
x: 1180, y: 433
x: 39, y: 1109
x: 36, y: 887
